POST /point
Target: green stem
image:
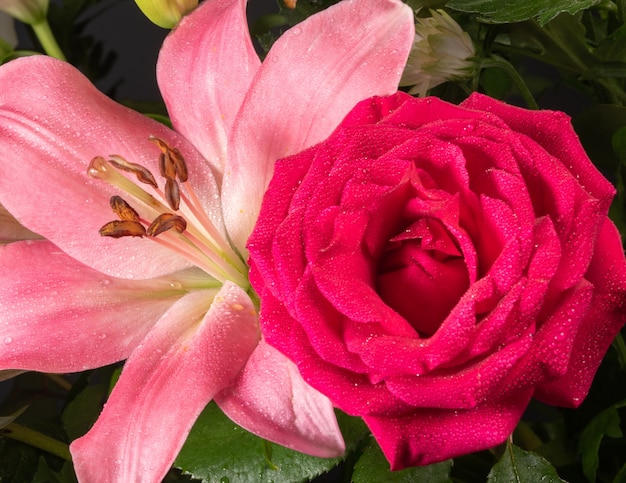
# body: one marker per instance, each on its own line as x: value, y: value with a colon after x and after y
x: 38, y: 440
x: 46, y: 37
x: 621, y: 11
x: 613, y: 89
x: 496, y: 61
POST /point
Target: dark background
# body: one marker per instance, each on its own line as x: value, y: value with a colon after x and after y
x: 123, y: 29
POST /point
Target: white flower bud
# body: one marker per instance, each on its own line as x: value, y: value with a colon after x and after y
x: 442, y: 51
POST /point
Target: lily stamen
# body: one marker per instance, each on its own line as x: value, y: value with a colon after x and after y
x: 144, y: 175
x: 165, y: 222
x: 100, y: 168
x: 195, y: 236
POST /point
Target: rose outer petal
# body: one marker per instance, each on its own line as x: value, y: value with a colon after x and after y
x: 607, y: 273
x: 432, y: 435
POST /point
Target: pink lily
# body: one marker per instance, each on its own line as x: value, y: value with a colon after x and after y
x: 175, y: 305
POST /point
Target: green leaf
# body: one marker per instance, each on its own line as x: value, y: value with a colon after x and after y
x: 618, y: 143
x: 561, y: 43
x: 604, y: 70
x: 518, y: 466
x: 5, y: 48
x: 621, y: 475
x: 45, y: 474
x: 613, y: 47
x: 373, y: 467
x: 510, y: 11
x: 17, y: 461
x: 604, y: 424
x: 80, y: 413
x: 596, y: 128
x: 217, y: 450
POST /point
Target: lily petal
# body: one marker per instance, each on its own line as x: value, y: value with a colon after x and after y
x: 54, y: 311
x: 313, y: 75
x: 204, y: 70
x: 167, y: 381
x: 54, y: 122
x: 271, y: 399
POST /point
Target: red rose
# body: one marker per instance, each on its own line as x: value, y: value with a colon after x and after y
x: 432, y: 267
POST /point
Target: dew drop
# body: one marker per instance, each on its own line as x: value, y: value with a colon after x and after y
x: 8, y: 340
x: 296, y: 30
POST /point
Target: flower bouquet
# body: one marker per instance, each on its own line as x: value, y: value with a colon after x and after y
x: 356, y: 240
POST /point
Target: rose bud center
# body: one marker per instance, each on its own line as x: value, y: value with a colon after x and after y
x: 419, y: 254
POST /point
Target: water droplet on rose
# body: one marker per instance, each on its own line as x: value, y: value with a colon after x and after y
x: 8, y: 340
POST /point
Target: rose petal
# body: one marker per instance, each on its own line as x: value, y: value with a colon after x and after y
x: 431, y: 435
x: 271, y: 399
x: 284, y: 333
x: 552, y: 131
x: 54, y: 311
x: 468, y: 386
x: 607, y: 273
x: 204, y: 70
x: 185, y: 360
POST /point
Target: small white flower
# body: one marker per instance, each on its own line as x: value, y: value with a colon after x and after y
x: 442, y: 51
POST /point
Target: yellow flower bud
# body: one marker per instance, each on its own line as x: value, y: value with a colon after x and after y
x: 165, y: 13
x: 27, y: 11
x: 442, y: 51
